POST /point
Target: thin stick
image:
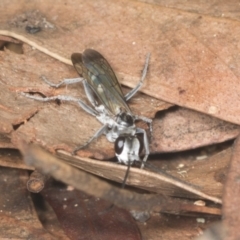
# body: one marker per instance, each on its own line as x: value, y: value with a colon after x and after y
x: 36, y: 182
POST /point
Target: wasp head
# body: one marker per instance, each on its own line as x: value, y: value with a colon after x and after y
x: 125, y: 119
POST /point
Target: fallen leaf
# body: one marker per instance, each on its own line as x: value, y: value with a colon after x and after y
x: 183, y: 129
x: 185, y: 182
x: 89, y: 217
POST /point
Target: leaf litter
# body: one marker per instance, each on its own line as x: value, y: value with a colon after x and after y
x: 183, y: 71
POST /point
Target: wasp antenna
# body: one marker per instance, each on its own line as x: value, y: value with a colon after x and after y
x: 126, y: 175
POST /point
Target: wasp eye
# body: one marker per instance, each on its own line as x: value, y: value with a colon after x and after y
x: 119, y: 144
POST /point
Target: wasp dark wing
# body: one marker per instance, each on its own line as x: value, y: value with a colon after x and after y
x: 93, y: 67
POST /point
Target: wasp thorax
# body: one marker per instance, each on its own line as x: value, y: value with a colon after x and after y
x: 125, y: 119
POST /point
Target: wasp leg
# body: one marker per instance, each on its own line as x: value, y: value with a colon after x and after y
x: 64, y: 82
x: 129, y: 95
x: 83, y: 105
x: 90, y: 94
x: 99, y: 132
x: 145, y: 144
x: 147, y: 120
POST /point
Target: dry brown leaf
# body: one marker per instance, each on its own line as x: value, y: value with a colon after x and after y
x: 186, y: 182
x: 82, y: 215
x: 209, y: 174
x: 182, y: 129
